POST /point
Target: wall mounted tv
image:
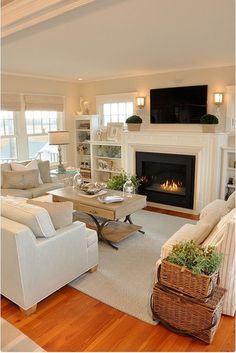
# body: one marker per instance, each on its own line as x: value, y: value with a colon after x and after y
x: 178, y: 105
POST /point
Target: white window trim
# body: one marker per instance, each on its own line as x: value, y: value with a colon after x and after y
x: 113, y: 98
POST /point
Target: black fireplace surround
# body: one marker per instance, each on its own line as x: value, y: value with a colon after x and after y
x: 167, y: 178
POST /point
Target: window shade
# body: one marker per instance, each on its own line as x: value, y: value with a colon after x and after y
x: 48, y: 103
x: 10, y: 102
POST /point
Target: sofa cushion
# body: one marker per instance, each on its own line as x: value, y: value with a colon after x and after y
x: 60, y: 212
x: 197, y: 232
x: 34, y: 217
x: 16, y: 192
x: 44, y: 170
x: 219, y: 206
x: 231, y: 201
x: 23, y: 180
x: 211, y: 219
x: 220, y: 229
x: 5, y: 167
x: 42, y: 189
x: 32, y: 165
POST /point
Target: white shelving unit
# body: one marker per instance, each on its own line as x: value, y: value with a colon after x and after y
x: 228, y: 172
x: 86, y: 127
x: 98, y: 160
x: 106, y: 159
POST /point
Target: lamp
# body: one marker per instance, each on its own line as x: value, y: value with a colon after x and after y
x: 59, y: 138
x: 218, y: 98
x: 140, y: 101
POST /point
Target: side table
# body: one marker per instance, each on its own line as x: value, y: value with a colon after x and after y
x: 66, y: 177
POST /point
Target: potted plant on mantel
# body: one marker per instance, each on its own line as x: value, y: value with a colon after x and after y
x: 134, y: 122
x: 208, y: 122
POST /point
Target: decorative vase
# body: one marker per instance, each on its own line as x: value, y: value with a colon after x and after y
x: 128, y: 188
x: 134, y: 127
x: 77, y: 180
x: 208, y: 127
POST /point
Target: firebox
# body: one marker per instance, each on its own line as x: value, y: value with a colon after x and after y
x: 167, y: 178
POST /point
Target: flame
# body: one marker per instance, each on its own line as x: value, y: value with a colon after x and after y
x: 171, y: 185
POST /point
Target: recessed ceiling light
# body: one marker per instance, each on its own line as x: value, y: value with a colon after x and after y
x: 80, y: 79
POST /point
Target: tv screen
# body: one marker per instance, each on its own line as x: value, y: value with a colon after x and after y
x: 178, y: 105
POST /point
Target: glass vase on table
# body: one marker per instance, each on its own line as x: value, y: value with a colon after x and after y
x: 77, y: 180
x: 128, y: 188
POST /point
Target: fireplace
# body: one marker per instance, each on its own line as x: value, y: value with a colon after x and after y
x: 167, y: 178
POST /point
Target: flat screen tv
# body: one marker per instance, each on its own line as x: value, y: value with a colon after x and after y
x: 178, y: 105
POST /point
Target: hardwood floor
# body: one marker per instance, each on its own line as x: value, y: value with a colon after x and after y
x: 71, y: 321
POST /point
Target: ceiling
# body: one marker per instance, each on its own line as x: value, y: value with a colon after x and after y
x: 120, y: 38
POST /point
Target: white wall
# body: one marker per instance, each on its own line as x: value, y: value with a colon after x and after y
x: 20, y: 84
x: 215, y: 78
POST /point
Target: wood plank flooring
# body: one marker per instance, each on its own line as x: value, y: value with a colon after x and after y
x: 71, y: 321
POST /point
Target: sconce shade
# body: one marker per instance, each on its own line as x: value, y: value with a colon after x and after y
x: 58, y: 137
x: 140, y: 101
x: 218, y: 97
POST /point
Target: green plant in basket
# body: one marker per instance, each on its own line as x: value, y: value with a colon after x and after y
x: 117, y: 182
x: 196, y: 258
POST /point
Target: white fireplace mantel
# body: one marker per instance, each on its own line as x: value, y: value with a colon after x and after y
x: 206, y: 147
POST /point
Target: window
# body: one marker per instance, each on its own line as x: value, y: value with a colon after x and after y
x: 24, y: 124
x: 8, y: 150
x: 115, y: 108
x: 38, y: 123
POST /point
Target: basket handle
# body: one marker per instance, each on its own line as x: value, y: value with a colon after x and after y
x: 185, y: 295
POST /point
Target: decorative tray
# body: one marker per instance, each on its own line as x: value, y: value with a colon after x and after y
x: 83, y: 193
x: 110, y: 199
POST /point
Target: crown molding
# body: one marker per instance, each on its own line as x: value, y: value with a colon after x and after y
x: 21, y: 14
x: 40, y: 77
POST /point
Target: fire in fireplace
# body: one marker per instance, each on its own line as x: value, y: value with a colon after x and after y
x: 167, y: 178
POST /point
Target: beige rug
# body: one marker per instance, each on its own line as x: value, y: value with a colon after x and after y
x: 124, y: 278
x: 13, y: 340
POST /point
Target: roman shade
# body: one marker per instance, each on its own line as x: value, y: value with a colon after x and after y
x: 41, y: 102
x: 11, y: 102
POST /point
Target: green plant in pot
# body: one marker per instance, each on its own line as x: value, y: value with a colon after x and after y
x: 191, y: 267
x: 117, y: 182
x: 134, y: 122
x: 208, y: 122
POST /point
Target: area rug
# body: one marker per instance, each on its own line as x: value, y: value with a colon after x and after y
x: 13, y: 340
x: 124, y: 278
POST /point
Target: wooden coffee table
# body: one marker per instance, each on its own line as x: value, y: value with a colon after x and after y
x: 105, y: 217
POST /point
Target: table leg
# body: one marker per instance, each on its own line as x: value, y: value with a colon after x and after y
x: 128, y: 219
x: 100, y: 227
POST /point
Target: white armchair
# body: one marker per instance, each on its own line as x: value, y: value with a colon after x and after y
x: 33, y: 268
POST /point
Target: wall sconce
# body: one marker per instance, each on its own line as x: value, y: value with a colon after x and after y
x: 218, y: 98
x: 140, y: 101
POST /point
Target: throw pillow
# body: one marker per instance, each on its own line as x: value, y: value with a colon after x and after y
x: 197, y: 232
x: 231, y: 201
x: 34, y: 217
x: 21, y: 180
x: 60, y: 212
x: 44, y: 170
x: 13, y: 199
x: 5, y: 167
x: 32, y: 165
x: 215, y: 206
x: 221, y: 229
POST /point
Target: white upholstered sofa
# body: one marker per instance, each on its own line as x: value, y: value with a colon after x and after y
x: 37, y: 259
x: 215, y: 227
x: 46, y: 181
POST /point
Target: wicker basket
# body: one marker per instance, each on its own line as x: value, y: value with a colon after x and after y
x: 183, y: 316
x: 184, y: 281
